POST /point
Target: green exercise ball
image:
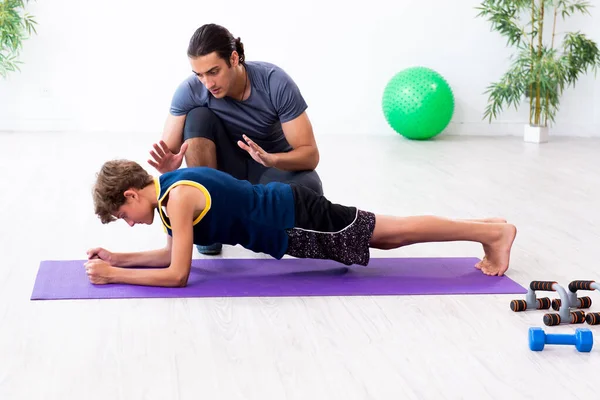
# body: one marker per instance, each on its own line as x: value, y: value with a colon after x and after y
x: 418, y: 103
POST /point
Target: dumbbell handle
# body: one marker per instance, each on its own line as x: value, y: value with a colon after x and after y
x: 582, y: 285
x: 542, y: 285
x: 560, y: 338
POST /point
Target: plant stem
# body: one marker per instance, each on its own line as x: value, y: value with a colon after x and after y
x: 531, y: 68
x: 552, y: 48
x: 539, y: 77
x: 554, y: 26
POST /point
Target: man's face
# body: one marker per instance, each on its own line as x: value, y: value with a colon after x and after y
x: 214, y: 73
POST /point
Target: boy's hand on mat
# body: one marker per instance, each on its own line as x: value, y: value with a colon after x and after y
x: 257, y: 153
x: 102, y: 254
x: 98, y: 271
x: 164, y: 159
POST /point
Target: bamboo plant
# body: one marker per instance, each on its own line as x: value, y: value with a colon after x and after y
x: 16, y: 25
x: 541, y: 69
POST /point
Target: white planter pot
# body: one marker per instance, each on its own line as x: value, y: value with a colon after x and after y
x: 535, y: 134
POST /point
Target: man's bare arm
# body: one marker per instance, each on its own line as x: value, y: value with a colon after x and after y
x: 305, y: 153
x: 173, y: 132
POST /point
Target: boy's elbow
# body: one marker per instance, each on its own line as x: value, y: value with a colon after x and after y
x: 180, y: 280
x: 177, y: 279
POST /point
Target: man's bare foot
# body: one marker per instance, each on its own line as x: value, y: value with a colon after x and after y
x: 497, y: 253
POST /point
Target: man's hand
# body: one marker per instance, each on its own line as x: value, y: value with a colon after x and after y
x: 98, y: 271
x: 164, y: 159
x: 257, y: 153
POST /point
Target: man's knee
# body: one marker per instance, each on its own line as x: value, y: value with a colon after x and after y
x: 201, y: 122
x: 312, y: 181
x: 201, y: 152
x: 308, y: 179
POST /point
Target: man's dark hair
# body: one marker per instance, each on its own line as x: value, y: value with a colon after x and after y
x: 211, y: 38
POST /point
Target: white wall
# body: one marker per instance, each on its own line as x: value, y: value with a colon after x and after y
x: 112, y: 66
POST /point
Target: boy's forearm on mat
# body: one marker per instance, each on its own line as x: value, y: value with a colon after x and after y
x: 150, y: 258
x: 166, y: 277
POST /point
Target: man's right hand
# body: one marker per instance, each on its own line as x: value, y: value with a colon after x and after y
x: 164, y: 159
x: 102, y: 254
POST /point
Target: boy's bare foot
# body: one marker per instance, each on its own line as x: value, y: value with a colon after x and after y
x: 497, y: 253
x: 480, y: 263
x: 490, y: 220
x: 493, y: 220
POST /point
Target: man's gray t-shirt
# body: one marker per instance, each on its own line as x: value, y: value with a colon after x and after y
x: 274, y: 99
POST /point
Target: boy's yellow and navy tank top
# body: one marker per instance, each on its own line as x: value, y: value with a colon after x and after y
x: 237, y: 212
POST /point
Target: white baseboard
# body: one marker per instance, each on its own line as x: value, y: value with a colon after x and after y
x: 497, y: 128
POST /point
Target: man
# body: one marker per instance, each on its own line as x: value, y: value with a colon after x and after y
x: 245, y: 118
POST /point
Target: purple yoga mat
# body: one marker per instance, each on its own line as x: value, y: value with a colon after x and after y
x: 226, y: 277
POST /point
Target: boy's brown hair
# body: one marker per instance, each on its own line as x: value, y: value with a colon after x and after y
x: 114, y: 178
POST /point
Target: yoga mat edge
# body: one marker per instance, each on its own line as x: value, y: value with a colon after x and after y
x: 264, y: 277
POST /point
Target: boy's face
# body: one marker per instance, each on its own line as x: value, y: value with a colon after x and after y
x: 136, y: 210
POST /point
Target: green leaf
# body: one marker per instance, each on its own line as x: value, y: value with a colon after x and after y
x: 16, y: 26
x: 503, y: 15
x: 537, y: 72
x: 569, y: 7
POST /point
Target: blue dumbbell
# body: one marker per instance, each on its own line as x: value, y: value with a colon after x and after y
x: 582, y: 339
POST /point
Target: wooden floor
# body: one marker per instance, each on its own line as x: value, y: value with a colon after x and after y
x: 422, y: 347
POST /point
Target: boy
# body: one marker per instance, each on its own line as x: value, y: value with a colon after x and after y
x: 203, y: 205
